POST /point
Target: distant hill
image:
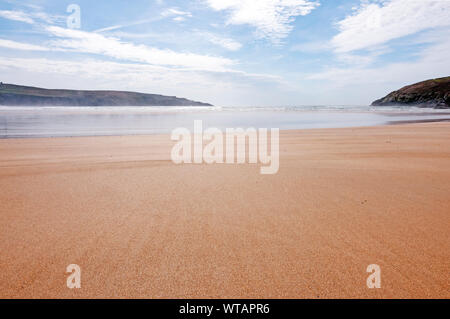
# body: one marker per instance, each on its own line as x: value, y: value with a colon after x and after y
x: 17, y: 95
x: 431, y: 93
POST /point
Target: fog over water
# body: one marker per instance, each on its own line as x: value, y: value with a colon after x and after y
x: 93, y: 121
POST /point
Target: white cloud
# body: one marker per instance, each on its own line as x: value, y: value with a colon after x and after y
x: 49, y: 18
x: 170, y: 12
x: 178, y: 15
x: 368, y: 33
x: 91, y: 73
x: 272, y: 18
x: 21, y: 46
x: 225, y: 43
x: 174, y: 13
x: 92, y: 68
x: 179, y: 19
x: 368, y: 83
x: 16, y: 16
x: 88, y: 42
x: 229, y: 87
x: 190, y: 37
x: 377, y: 22
x: 120, y: 26
x: 33, y: 16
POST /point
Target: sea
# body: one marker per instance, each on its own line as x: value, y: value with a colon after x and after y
x: 54, y: 121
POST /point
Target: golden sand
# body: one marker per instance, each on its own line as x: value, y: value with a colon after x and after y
x: 140, y: 226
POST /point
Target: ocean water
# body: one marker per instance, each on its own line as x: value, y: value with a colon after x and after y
x: 92, y: 121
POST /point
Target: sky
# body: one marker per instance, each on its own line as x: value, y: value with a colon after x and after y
x: 228, y: 52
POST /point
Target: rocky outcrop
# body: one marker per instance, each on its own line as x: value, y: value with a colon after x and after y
x: 432, y: 93
x: 17, y: 95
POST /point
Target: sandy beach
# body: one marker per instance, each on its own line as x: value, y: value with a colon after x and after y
x: 140, y: 226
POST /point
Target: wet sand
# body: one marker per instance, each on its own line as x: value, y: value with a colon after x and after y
x: 140, y: 226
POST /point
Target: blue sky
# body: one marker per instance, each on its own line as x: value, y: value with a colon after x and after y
x: 229, y: 52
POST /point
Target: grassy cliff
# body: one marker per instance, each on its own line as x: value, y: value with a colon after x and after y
x: 17, y: 95
x: 431, y: 93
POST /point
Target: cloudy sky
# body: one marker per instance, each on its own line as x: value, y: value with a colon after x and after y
x: 228, y: 52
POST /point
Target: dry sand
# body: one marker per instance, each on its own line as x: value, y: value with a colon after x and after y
x: 140, y: 226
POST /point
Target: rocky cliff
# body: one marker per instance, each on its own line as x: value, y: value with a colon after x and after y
x: 17, y: 95
x: 431, y: 93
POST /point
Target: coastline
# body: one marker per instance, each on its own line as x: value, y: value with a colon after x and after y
x: 59, y: 122
x: 141, y: 226
x: 403, y: 122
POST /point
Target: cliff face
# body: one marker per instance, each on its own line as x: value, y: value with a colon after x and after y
x: 432, y: 93
x: 17, y: 95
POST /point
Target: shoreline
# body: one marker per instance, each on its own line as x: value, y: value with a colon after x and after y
x: 140, y: 226
x: 390, y: 123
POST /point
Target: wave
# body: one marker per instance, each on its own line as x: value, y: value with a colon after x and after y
x: 178, y: 109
